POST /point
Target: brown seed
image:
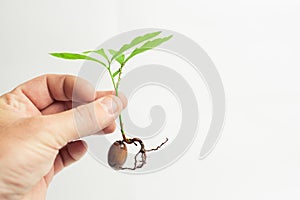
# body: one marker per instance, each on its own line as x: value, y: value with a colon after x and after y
x: 117, y: 155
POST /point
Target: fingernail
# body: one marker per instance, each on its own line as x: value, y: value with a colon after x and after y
x: 110, y: 104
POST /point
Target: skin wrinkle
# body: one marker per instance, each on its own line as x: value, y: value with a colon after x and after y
x: 17, y: 101
x: 57, y: 167
x: 49, y: 91
x: 12, y: 102
x: 62, y: 153
x: 48, y: 178
x: 69, y: 154
x: 57, y: 95
x: 25, y: 93
x: 66, y: 154
x: 11, y: 179
x: 86, y: 117
x: 45, y: 137
x: 64, y: 88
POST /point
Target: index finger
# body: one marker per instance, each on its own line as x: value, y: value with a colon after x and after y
x: 44, y: 90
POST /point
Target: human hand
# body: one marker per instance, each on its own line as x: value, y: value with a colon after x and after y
x: 38, y: 127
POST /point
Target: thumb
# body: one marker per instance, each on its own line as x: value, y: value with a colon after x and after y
x: 86, y: 119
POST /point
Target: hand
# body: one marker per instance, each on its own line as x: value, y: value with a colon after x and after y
x: 38, y: 127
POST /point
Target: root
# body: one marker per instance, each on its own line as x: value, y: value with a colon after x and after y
x: 142, y: 153
x: 158, y: 147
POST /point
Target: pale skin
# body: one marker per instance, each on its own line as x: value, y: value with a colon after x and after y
x: 38, y: 133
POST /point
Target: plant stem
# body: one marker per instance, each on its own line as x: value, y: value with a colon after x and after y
x: 119, y: 77
x: 116, y: 87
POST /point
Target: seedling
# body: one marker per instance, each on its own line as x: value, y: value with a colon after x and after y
x: 117, y: 153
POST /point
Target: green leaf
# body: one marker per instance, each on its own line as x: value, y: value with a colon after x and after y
x: 99, y: 51
x: 112, y: 52
x: 75, y: 56
x: 120, y: 58
x: 148, y: 45
x: 116, y: 73
x: 135, y: 42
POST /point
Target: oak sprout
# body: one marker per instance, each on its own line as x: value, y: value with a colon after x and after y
x: 118, y: 151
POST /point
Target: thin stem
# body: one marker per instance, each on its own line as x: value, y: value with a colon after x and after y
x: 112, y: 79
x: 116, y: 87
x: 119, y: 77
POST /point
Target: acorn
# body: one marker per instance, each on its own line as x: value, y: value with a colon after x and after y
x: 117, y: 155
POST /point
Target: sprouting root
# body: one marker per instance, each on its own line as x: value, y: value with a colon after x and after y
x: 141, y: 153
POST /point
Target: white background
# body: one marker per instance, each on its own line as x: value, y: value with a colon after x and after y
x: 255, y: 46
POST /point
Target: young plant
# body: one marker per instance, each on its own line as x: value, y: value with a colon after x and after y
x: 117, y: 153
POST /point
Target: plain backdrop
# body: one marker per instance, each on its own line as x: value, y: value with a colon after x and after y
x: 253, y: 43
